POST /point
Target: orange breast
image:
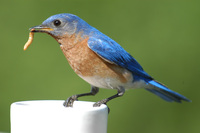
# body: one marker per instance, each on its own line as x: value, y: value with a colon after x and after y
x: 87, y: 63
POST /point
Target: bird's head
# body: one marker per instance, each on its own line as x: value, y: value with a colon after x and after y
x: 62, y: 24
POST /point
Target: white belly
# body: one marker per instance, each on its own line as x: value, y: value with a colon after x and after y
x: 112, y: 83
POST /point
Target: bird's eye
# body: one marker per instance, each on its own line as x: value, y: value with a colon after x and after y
x: 57, y: 22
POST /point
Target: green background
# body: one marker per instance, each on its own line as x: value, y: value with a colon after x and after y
x: 162, y: 35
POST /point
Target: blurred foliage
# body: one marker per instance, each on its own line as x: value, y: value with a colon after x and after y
x: 162, y: 35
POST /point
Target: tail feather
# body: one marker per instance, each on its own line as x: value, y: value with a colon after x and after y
x: 165, y: 93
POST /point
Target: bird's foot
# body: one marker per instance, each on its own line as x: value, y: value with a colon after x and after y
x: 69, y: 102
x: 99, y: 103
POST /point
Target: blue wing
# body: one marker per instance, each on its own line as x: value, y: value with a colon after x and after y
x: 112, y: 52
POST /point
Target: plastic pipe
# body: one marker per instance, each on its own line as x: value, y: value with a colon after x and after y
x: 50, y: 116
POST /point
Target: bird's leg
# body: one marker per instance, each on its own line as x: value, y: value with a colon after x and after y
x: 69, y: 102
x: 120, y: 93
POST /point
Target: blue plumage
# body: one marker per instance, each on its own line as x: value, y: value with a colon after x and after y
x: 114, y: 53
x: 165, y: 93
x: 71, y: 25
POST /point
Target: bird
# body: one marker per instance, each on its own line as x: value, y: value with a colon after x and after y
x: 100, y: 61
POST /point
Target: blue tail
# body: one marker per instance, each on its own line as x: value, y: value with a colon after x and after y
x: 166, y: 93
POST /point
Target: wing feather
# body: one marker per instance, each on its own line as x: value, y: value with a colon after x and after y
x: 112, y: 52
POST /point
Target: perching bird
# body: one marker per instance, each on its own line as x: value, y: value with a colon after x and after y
x: 99, y: 60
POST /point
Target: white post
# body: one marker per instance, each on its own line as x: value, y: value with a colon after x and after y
x: 50, y: 116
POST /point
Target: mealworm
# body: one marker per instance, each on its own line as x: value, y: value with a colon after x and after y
x: 30, y: 40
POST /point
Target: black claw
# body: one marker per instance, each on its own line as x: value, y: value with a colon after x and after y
x: 108, y: 110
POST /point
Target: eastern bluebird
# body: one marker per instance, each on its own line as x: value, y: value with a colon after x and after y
x: 99, y: 60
